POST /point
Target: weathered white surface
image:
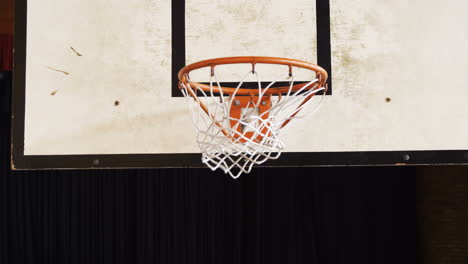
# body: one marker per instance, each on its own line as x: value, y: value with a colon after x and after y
x: 126, y: 52
x: 414, y: 53
x: 275, y: 28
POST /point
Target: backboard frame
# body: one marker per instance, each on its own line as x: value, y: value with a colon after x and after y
x: 289, y: 159
x: 179, y: 48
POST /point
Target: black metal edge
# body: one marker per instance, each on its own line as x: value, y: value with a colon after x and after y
x: 19, y: 86
x: 288, y: 159
x: 179, y: 47
x: 324, y: 39
x: 178, y: 44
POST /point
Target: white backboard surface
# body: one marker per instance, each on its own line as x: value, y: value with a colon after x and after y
x: 98, y: 75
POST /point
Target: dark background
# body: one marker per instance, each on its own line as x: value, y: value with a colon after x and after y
x: 274, y: 215
x: 285, y: 215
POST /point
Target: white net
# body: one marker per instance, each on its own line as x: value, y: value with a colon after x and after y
x: 236, y: 132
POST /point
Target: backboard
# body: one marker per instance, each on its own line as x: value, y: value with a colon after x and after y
x: 95, y: 82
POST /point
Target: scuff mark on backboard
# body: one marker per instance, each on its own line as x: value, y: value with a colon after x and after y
x: 64, y: 72
x: 76, y: 52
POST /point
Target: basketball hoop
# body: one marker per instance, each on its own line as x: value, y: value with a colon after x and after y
x: 237, y: 127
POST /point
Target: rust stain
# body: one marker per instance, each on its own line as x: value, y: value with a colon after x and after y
x: 373, y: 20
x: 54, y: 92
x: 347, y: 60
x: 64, y: 72
x: 388, y: 99
x: 76, y: 52
x: 116, y: 103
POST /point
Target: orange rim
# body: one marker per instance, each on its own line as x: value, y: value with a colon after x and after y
x: 322, y: 74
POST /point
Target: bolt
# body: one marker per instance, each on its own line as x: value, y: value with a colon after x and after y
x: 264, y: 103
x: 237, y: 102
